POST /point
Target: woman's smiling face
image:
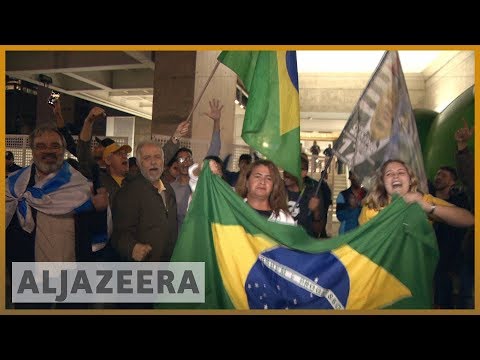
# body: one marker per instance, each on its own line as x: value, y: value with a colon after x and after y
x: 396, y: 179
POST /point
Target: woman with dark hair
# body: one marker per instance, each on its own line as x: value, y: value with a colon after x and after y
x: 263, y: 189
x: 396, y: 177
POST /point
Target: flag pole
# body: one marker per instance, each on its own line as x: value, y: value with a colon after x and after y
x: 203, y: 90
x: 322, y: 176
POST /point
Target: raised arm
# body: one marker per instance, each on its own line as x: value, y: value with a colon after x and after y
x: 215, y: 114
x: 94, y: 114
x: 173, y: 144
x: 57, y: 113
x: 464, y: 157
x: 88, y: 165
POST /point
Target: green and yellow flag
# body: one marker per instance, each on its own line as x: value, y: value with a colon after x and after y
x: 272, y: 115
x: 251, y: 263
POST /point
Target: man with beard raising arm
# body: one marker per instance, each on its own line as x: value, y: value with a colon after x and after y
x: 44, y: 202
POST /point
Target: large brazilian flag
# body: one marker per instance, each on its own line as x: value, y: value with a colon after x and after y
x: 251, y: 263
x: 272, y: 116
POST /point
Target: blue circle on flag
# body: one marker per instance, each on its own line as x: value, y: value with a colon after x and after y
x: 283, y: 278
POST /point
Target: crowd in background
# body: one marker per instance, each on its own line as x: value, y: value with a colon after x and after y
x: 106, y: 206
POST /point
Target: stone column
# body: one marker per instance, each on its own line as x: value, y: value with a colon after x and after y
x: 222, y: 87
x: 173, y: 93
x: 179, y: 79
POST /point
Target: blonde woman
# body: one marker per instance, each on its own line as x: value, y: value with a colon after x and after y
x: 396, y: 177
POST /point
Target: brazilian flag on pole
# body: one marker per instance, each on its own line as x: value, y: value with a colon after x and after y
x: 272, y: 117
x: 251, y: 263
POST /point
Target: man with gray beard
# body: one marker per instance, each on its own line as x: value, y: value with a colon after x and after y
x: 145, y: 211
x: 44, y: 202
x: 42, y: 199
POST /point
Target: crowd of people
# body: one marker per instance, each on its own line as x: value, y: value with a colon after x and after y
x: 109, y: 207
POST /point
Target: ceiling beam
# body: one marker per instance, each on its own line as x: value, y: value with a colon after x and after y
x: 116, y: 105
x: 131, y: 92
x: 133, y: 79
x: 60, y: 82
x: 69, y: 61
x: 99, y: 79
x: 143, y: 57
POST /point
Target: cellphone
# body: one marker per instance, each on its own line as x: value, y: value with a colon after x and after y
x: 54, y: 96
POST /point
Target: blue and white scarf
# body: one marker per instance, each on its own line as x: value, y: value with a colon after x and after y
x: 57, y: 194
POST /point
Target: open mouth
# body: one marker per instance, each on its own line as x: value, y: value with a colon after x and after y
x: 396, y: 184
x: 49, y: 159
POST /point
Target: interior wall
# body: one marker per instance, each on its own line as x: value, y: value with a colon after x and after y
x: 448, y: 82
x: 327, y: 99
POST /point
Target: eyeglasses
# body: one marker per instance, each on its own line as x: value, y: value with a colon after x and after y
x: 43, y: 147
x: 181, y: 160
x: 120, y: 153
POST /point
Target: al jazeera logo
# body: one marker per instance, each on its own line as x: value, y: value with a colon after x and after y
x: 124, y: 282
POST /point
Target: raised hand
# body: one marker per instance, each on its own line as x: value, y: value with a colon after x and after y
x: 95, y: 113
x: 182, y: 129
x: 215, y: 110
x: 463, y: 134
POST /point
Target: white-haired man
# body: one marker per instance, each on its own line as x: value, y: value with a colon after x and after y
x: 145, y: 211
